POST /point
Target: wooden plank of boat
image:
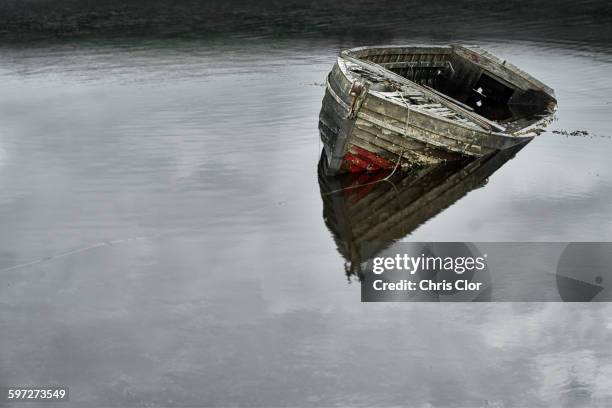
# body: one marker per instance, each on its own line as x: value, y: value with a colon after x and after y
x: 415, y: 64
x: 399, y: 110
x: 424, y: 135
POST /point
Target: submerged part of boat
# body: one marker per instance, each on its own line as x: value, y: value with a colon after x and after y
x: 369, y: 211
x: 386, y: 107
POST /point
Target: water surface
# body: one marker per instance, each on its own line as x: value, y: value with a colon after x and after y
x: 162, y: 238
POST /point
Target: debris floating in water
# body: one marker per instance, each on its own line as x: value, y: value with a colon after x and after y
x: 571, y: 132
x: 319, y: 84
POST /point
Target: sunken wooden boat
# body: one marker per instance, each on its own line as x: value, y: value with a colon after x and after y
x: 393, y: 106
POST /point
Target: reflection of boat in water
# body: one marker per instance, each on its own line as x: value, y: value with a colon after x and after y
x: 367, y: 212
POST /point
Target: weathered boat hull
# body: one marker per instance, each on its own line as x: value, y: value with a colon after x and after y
x: 376, y: 116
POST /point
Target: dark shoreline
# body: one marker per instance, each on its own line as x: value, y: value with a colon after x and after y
x: 35, y: 20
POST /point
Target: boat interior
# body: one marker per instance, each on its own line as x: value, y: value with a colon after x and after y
x: 490, y: 87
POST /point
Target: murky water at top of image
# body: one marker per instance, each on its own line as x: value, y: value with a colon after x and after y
x: 163, y: 239
x: 584, y: 23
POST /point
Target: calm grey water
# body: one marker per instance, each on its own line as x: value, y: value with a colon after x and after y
x: 162, y: 240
